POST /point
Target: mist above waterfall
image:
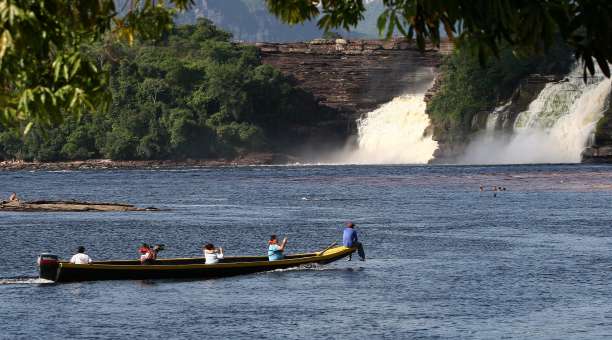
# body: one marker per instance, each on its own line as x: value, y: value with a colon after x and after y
x: 554, y: 129
x: 395, y: 133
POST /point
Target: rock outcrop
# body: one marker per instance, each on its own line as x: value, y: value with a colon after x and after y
x: 68, y: 206
x: 355, y: 76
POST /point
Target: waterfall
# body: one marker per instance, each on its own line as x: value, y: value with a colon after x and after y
x: 493, y: 120
x: 394, y: 134
x: 555, y: 128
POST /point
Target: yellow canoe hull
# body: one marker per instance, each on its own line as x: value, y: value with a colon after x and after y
x: 182, y: 268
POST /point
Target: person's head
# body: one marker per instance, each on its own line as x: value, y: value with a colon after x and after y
x: 144, y: 245
x: 273, y: 239
x: 80, y: 249
x: 209, y: 246
x: 350, y: 224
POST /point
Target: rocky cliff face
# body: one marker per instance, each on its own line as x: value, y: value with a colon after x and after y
x: 355, y: 76
x: 350, y: 78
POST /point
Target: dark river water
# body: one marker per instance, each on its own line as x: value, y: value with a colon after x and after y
x: 444, y: 259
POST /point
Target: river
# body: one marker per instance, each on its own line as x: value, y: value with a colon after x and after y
x: 444, y: 259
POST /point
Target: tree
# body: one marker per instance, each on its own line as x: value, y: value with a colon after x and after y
x: 44, y: 72
x: 485, y: 26
x: 192, y: 94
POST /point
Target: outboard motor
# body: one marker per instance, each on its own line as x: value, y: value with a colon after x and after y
x: 47, y: 266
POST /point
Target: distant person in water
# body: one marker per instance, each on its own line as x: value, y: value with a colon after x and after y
x: 80, y: 257
x: 494, y: 191
x: 275, y: 251
x: 212, y: 255
x: 481, y: 188
x: 349, y: 239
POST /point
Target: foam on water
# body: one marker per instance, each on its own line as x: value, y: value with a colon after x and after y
x: 23, y: 281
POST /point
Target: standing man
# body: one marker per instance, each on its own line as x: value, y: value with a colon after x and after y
x: 349, y: 239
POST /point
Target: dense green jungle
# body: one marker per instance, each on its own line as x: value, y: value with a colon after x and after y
x: 194, y: 94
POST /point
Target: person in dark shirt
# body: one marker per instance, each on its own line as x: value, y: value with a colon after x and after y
x: 349, y: 239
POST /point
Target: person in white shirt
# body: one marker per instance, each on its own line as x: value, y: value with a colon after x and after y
x: 80, y: 257
x: 212, y: 255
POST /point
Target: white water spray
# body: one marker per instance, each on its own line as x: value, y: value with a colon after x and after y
x: 394, y: 134
x: 555, y: 128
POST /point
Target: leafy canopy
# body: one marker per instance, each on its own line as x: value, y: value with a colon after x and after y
x: 44, y: 73
x: 193, y: 94
x: 528, y: 26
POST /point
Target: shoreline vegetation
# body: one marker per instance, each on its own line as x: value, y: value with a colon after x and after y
x: 100, y: 164
x: 193, y: 95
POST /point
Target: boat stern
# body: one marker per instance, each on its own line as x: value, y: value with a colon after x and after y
x: 47, y: 266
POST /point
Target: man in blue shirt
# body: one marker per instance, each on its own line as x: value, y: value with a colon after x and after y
x: 349, y: 239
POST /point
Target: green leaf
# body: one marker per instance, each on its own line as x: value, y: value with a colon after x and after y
x: 27, y: 128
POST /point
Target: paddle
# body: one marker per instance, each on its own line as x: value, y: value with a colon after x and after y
x: 326, y: 249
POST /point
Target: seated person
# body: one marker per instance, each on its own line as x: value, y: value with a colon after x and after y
x: 149, y: 255
x: 349, y: 239
x: 275, y: 251
x: 212, y: 255
x: 80, y: 257
x: 143, y: 249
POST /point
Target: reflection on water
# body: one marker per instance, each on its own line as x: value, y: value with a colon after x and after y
x: 444, y: 259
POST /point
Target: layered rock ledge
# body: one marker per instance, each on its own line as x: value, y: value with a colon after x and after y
x: 68, y: 206
x: 355, y: 76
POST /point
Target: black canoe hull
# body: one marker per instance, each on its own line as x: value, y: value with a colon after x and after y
x: 186, y: 268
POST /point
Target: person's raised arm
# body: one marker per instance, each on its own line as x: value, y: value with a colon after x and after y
x: 283, y: 244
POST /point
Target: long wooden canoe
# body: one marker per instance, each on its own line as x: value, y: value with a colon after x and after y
x: 179, y: 268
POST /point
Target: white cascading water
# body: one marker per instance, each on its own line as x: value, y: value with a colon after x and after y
x: 394, y: 134
x: 555, y: 128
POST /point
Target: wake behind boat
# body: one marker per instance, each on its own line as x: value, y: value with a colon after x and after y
x: 51, y: 268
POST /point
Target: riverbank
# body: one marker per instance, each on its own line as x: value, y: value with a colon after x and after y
x: 248, y: 159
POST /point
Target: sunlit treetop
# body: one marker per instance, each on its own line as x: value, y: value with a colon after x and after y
x: 484, y: 26
x: 44, y: 74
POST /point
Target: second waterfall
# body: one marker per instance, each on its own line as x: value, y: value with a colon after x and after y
x: 554, y: 129
x: 395, y: 133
